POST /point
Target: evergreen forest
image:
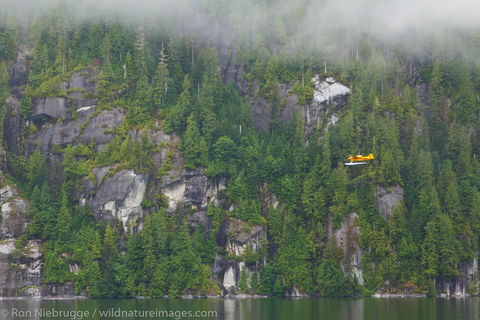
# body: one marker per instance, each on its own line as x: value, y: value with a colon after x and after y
x: 423, y: 126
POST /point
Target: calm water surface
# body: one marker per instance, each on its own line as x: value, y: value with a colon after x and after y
x: 240, y: 309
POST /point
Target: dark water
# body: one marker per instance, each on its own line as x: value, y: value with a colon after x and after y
x: 264, y: 309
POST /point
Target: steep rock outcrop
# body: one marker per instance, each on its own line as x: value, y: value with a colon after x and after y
x: 347, y: 238
x: 81, y: 87
x: 184, y: 187
x: 100, y: 128
x: 21, y: 277
x: 467, y: 283
x: 329, y: 96
x: 83, y: 129
x: 239, y: 237
x: 12, y: 126
x: 80, y: 84
x: 387, y: 199
x: 14, y: 212
x: 262, y: 108
x: 116, y: 196
x: 192, y: 188
x: 55, y: 108
x: 20, y: 269
x: 21, y: 67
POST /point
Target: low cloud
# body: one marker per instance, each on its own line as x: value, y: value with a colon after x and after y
x: 298, y: 20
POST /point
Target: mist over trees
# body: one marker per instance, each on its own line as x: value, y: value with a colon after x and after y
x: 166, y: 73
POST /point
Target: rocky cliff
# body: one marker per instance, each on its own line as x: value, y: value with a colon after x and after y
x: 21, y: 265
x: 116, y: 195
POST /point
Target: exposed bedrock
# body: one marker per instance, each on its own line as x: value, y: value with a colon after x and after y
x: 84, y: 129
x: 329, y: 97
x: 116, y: 196
x: 387, y: 199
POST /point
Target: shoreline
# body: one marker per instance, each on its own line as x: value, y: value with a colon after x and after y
x: 241, y: 297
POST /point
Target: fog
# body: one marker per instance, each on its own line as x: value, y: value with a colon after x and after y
x: 295, y: 20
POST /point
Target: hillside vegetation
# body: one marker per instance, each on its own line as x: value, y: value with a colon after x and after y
x: 421, y: 125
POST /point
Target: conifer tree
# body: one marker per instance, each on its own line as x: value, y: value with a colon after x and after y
x: 37, y: 170
x: 8, y: 37
x: 184, y: 265
x: 108, y: 286
x: 439, y: 255
x: 194, y: 147
x: 242, y: 283
x: 331, y: 281
x: 293, y: 262
x: 178, y: 115
x: 64, y: 220
x: 176, y: 72
x: 313, y: 197
x: 4, y: 77
x: 161, y: 81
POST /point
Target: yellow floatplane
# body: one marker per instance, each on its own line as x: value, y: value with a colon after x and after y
x: 359, y: 159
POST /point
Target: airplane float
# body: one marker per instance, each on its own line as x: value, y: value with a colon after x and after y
x: 358, y: 159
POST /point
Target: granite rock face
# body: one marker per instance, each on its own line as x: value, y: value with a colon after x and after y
x: 238, y: 238
x: 55, y: 108
x: 467, y: 283
x: 192, y: 188
x: 83, y: 129
x: 21, y: 269
x: 329, y: 97
x: 116, y: 196
x: 100, y: 128
x: 347, y: 238
x: 23, y: 276
x: 14, y: 212
x: 81, y: 87
x: 19, y: 72
x: 13, y: 126
x: 387, y: 199
x: 81, y: 90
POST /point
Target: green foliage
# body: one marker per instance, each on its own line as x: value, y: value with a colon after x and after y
x: 8, y: 36
x: 269, y: 283
x: 73, y: 168
x: 166, y: 165
x: 294, y: 262
x: 109, y: 286
x: 56, y: 266
x: 146, y: 203
x: 331, y: 281
x: 288, y: 179
x: 127, y: 154
x: 185, y: 269
x: 37, y: 170
x: 224, y: 157
x: 194, y: 146
x: 243, y: 280
x: 64, y: 219
x: 304, y: 92
x: 249, y: 210
x: 4, y: 91
x: 162, y: 82
x: 254, y: 283
x: 177, y: 117
x: 439, y: 249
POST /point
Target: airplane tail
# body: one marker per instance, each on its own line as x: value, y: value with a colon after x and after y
x: 370, y: 156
